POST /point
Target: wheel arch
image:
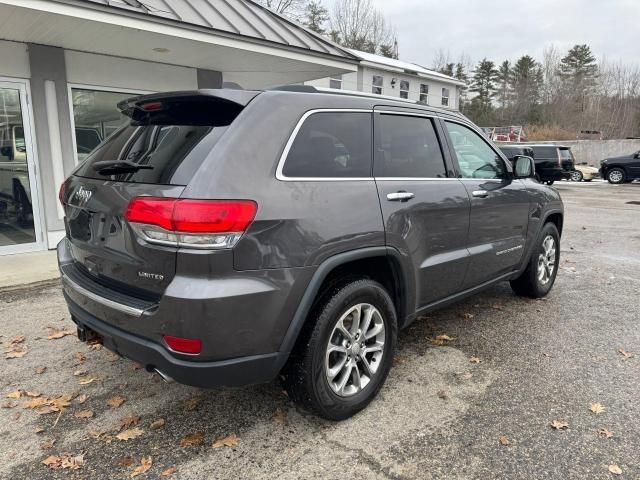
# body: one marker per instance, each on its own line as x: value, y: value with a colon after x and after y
x: 383, y: 264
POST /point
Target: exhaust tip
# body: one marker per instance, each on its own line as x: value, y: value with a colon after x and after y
x: 164, y: 376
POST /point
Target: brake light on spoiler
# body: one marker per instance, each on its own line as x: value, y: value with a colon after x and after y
x: 205, y: 224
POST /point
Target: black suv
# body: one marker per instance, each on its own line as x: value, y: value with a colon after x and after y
x: 224, y: 237
x: 553, y: 162
x: 621, y: 169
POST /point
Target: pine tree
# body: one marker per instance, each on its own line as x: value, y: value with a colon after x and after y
x: 579, y: 72
x: 316, y: 16
x: 504, y: 82
x: 526, y: 82
x: 483, y: 84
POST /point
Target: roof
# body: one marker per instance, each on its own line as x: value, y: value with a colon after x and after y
x: 244, y: 18
x: 403, y: 67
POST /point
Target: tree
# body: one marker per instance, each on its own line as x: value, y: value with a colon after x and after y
x: 526, y: 82
x: 316, y: 16
x: 481, y: 109
x: 579, y: 71
x: 293, y: 9
x: 503, y: 79
x: 357, y: 24
x: 389, y: 51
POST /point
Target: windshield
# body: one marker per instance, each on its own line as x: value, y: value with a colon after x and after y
x: 170, y: 153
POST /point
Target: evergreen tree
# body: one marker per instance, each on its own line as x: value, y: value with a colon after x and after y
x: 481, y: 109
x: 503, y: 80
x: 579, y: 72
x: 526, y: 82
x: 316, y: 16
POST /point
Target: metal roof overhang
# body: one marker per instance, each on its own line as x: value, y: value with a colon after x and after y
x: 82, y: 26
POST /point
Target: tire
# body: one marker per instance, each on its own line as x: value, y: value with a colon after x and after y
x: 576, y: 176
x: 533, y: 282
x: 549, y: 182
x: 308, y: 375
x: 616, y: 176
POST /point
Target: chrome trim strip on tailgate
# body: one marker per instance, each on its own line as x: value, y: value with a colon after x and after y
x: 135, y: 312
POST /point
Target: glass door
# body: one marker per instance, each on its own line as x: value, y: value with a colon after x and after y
x: 19, y: 222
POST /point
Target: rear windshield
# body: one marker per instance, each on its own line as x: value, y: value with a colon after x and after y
x: 565, y: 154
x: 170, y: 153
x: 164, y: 145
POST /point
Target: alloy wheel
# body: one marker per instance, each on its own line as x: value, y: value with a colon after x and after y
x: 355, y: 349
x: 547, y: 260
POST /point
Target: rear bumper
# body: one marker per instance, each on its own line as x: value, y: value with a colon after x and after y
x: 236, y: 371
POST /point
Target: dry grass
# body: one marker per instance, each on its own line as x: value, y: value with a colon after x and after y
x: 548, y: 132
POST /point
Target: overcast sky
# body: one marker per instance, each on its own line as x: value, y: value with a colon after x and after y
x: 506, y: 29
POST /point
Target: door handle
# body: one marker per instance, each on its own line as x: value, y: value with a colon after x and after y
x: 400, y: 196
x: 480, y: 193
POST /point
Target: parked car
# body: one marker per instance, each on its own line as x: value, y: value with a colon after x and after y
x: 228, y: 237
x: 553, y: 162
x: 584, y: 173
x: 513, y: 151
x: 621, y: 169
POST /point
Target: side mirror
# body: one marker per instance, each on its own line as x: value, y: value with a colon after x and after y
x: 523, y: 167
x: 636, y: 155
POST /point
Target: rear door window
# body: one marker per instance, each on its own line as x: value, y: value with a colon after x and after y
x: 545, y: 152
x: 331, y: 145
x: 407, y: 146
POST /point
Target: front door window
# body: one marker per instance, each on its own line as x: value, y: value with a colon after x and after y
x: 16, y: 209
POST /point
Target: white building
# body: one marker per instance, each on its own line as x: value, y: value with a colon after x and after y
x: 66, y: 63
x: 396, y: 78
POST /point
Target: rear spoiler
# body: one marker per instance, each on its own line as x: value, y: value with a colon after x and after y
x: 185, y: 107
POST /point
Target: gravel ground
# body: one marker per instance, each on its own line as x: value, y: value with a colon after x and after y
x: 440, y: 415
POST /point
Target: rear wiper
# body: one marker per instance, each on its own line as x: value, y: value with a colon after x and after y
x: 112, y: 167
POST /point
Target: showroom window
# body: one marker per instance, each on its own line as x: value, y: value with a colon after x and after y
x: 96, y: 117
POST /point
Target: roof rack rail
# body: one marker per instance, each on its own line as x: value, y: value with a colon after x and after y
x: 295, y: 88
x: 356, y: 93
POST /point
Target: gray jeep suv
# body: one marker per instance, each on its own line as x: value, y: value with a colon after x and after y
x: 228, y: 237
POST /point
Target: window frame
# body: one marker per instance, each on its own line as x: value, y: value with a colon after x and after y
x: 454, y: 156
x: 405, y: 90
x: 373, y: 85
x: 442, y: 140
x: 96, y: 88
x: 285, y: 153
x: 448, y: 97
x: 421, y: 94
x: 338, y: 79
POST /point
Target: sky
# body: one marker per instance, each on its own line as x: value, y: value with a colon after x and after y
x: 507, y: 29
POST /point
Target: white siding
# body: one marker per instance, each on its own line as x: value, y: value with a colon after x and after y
x: 105, y: 71
x: 350, y: 82
x: 15, y: 60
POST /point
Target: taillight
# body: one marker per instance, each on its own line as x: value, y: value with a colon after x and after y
x: 192, y: 346
x: 61, y: 193
x: 190, y: 223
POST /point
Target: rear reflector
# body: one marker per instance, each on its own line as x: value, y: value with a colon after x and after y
x: 192, y: 346
x: 190, y: 223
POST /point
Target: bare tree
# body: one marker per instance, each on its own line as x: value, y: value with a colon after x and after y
x: 294, y: 9
x: 357, y: 24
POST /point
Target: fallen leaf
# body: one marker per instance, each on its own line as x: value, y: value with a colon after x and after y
x: 128, y: 422
x: 626, y: 354
x: 17, y: 352
x: 82, y: 398
x: 48, y: 444
x: 145, y: 464
x: 169, y: 471
x: 280, y: 417
x: 87, y: 381
x: 504, y: 440
x: 559, y: 425
x: 603, y: 432
x: 397, y: 360
x: 38, y: 430
x: 114, y: 357
x: 80, y: 372
x: 228, y: 441
x: 196, y: 438
x: 95, y: 346
x: 17, y: 415
x: 597, y: 408
x: 474, y: 360
x: 33, y: 394
x: 17, y: 340
x: 41, y: 370
x: 130, y: 434
x: 126, y: 462
x: 54, y: 333
x: 9, y: 404
x: 84, y: 414
x: 468, y: 316
x: 116, y: 401
x: 61, y: 402
x: 79, y: 358
x: 35, y: 402
x: 47, y: 410
x: 191, y: 404
x: 71, y: 462
x: 15, y: 394
x: 441, y: 339
x: 158, y: 424
x: 615, y: 469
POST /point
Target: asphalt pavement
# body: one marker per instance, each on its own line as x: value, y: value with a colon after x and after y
x: 478, y: 406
